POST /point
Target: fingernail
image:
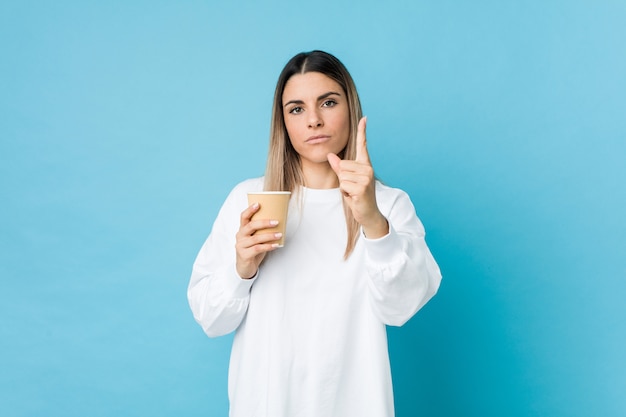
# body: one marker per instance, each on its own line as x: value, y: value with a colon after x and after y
x: 255, y: 206
x: 273, y: 222
x: 278, y: 235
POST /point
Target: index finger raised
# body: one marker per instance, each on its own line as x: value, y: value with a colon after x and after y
x: 361, y: 143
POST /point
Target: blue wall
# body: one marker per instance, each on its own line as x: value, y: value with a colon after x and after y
x: 124, y: 124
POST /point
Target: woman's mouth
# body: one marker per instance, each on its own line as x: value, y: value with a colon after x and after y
x: 317, y: 139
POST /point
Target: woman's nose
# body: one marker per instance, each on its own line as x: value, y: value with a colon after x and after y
x: 315, y: 120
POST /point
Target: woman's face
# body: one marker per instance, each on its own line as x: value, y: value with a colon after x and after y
x: 315, y: 110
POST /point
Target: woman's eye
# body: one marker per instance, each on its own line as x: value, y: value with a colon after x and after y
x: 296, y: 110
x: 329, y: 103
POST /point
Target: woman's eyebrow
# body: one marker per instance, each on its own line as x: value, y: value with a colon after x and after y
x: 293, y: 102
x: 330, y: 93
x: 322, y: 97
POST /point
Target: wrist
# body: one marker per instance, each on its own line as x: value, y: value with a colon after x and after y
x: 246, y: 272
x: 376, y: 228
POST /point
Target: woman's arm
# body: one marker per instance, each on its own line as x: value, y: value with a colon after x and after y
x: 403, y: 273
x: 227, y: 265
x: 218, y: 297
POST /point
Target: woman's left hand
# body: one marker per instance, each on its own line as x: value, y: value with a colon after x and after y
x: 357, y: 183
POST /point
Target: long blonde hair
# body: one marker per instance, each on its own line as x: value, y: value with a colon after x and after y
x: 283, y: 171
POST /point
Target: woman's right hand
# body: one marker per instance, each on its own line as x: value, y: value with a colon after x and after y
x: 252, y: 249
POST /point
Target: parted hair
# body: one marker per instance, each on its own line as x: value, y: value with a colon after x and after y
x: 283, y: 171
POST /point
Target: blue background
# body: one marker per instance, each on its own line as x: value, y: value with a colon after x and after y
x: 123, y: 126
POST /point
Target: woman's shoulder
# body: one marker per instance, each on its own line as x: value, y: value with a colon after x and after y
x: 249, y: 185
x: 238, y: 194
x: 388, y: 191
x: 388, y: 197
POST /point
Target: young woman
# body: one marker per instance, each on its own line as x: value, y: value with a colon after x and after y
x: 309, y: 318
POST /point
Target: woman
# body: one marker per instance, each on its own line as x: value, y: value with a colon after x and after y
x: 310, y: 317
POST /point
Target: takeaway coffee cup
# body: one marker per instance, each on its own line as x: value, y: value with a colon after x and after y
x: 273, y: 205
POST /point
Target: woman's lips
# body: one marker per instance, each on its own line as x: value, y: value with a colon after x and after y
x: 317, y: 139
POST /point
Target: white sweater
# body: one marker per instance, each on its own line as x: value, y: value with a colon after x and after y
x: 310, y: 327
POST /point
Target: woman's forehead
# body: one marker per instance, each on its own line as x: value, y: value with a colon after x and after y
x: 310, y: 84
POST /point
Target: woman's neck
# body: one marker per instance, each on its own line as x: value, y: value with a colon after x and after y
x: 319, y: 176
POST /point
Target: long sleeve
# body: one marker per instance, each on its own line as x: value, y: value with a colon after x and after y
x: 310, y: 319
x: 403, y: 274
x: 218, y: 297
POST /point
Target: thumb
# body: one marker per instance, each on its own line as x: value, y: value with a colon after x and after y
x: 334, y: 161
